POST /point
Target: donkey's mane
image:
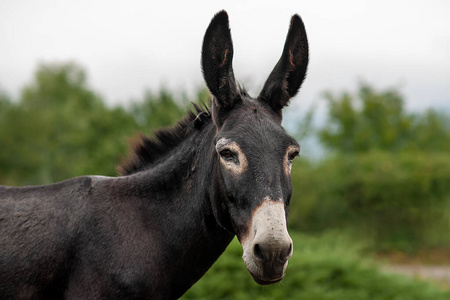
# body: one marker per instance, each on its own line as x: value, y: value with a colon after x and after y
x: 146, y: 151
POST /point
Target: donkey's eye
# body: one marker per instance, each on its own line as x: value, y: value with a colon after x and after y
x: 292, y: 156
x: 228, y: 155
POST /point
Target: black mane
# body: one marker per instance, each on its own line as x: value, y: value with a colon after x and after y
x: 146, y: 151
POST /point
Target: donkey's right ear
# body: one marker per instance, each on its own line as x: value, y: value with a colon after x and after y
x: 290, y: 71
x: 217, y: 56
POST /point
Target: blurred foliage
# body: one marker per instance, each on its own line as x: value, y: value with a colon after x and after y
x: 388, y: 178
x: 163, y: 109
x: 61, y: 128
x: 377, y: 120
x: 400, y: 202
x: 325, y: 267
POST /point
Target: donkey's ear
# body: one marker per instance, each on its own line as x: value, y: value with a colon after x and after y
x: 217, y: 56
x: 290, y: 71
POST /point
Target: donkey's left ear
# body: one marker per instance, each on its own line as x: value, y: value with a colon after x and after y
x: 290, y: 71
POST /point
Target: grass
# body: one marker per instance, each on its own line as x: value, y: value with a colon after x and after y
x: 325, y: 267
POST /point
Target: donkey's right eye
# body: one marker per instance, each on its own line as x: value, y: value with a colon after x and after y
x: 228, y: 155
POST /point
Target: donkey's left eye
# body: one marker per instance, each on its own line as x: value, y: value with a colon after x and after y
x: 228, y: 155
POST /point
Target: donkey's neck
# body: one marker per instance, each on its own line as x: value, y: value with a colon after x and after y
x: 176, y: 197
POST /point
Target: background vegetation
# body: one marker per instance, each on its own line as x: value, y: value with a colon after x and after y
x: 383, y: 185
x: 323, y: 267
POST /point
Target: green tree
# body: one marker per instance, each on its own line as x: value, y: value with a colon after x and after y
x: 157, y: 110
x: 431, y: 132
x: 164, y: 108
x: 60, y: 128
x: 378, y: 120
x: 7, y: 112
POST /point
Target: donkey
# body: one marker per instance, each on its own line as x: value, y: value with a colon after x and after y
x: 183, y: 195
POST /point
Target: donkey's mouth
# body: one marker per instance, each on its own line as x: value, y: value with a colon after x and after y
x: 261, y: 281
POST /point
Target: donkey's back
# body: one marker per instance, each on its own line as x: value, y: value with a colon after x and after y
x: 40, y: 228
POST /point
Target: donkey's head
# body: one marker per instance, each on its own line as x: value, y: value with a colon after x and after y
x: 254, y: 152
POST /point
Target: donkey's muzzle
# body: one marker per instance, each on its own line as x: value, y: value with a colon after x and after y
x: 270, y: 260
x: 268, y: 246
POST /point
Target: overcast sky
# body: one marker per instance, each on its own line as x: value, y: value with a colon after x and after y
x: 129, y: 46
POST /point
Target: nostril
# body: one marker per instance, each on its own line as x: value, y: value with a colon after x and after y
x: 286, y: 252
x: 257, y: 251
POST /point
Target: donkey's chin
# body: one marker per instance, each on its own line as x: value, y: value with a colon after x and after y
x: 261, y: 281
x: 265, y: 275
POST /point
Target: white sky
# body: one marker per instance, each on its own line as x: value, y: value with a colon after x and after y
x: 129, y: 46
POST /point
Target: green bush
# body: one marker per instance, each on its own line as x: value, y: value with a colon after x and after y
x: 400, y: 201
x: 325, y: 267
